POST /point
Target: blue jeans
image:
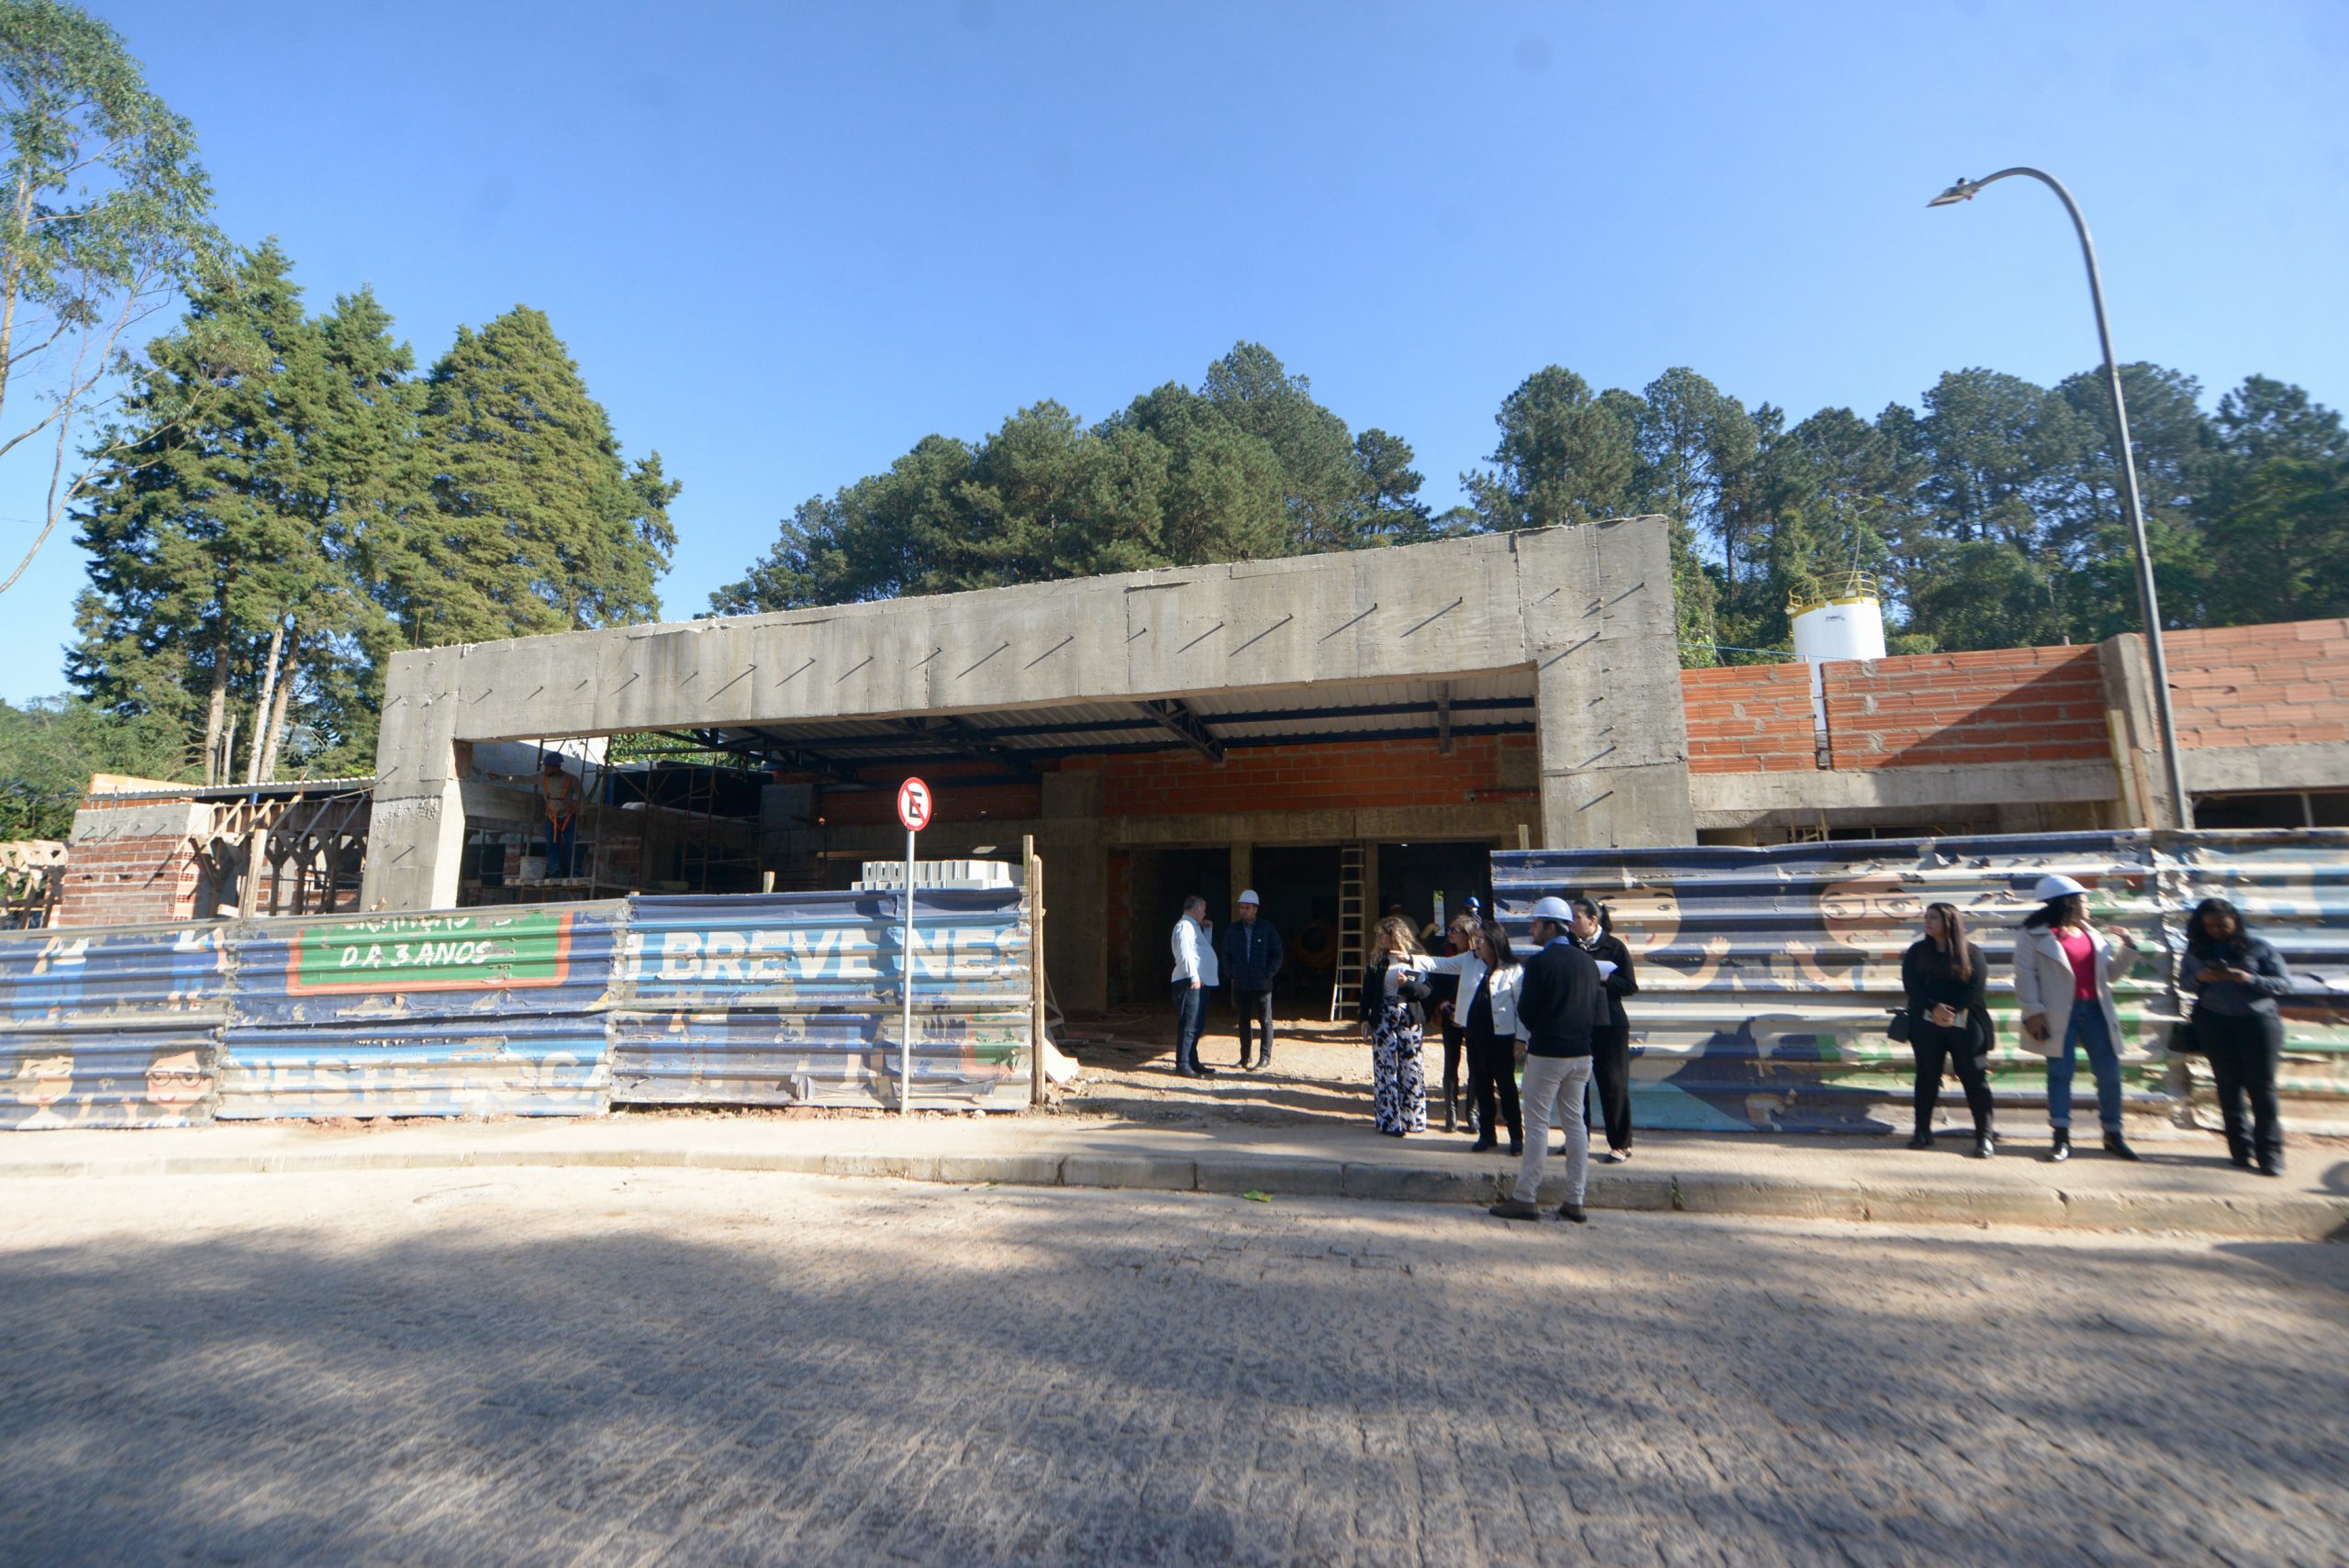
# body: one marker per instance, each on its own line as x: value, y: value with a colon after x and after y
x: 562, y: 847
x: 1190, y: 1015
x: 2087, y: 1028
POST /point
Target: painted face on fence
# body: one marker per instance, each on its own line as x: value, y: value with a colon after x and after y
x: 175, y: 1080
x: 43, y: 1081
x: 1866, y: 906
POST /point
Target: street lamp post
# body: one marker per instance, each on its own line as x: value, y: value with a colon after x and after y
x: 2148, y: 603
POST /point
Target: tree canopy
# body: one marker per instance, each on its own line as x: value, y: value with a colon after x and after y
x: 252, y: 564
x: 1246, y: 464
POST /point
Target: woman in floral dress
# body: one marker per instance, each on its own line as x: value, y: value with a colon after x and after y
x: 1393, y: 1016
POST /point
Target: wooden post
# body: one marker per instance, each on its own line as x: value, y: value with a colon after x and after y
x: 1034, y: 866
x: 1524, y: 838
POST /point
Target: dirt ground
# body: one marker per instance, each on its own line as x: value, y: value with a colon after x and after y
x: 1320, y: 1071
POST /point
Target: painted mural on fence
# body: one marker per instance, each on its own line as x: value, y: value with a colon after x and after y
x: 1766, y: 975
x: 109, y: 1028
x: 792, y: 999
x: 479, y: 1012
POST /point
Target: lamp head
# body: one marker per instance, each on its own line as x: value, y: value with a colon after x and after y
x: 1963, y: 191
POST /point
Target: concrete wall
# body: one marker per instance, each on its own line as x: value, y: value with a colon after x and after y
x: 1588, y: 610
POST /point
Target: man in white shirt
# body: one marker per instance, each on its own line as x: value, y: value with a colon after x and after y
x: 1195, y: 976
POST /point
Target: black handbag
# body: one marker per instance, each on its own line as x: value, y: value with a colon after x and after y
x: 1896, y: 1028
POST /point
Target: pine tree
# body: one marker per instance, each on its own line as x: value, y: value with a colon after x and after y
x: 533, y: 523
x: 193, y: 558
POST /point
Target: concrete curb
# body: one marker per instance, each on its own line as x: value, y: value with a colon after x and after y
x: 2294, y: 1217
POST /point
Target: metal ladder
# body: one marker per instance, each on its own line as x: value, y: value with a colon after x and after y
x: 1351, y: 957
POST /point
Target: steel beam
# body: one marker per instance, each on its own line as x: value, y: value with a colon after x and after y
x: 1175, y: 715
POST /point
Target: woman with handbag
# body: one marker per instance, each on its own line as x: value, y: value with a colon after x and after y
x: 1488, y: 972
x: 1394, y: 1017
x: 1948, y: 1021
x: 2063, y: 969
x: 2235, y: 979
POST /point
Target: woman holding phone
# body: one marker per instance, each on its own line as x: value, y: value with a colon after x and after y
x: 2236, y: 980
x: 2063, y: 969
x: 1948, y: 1022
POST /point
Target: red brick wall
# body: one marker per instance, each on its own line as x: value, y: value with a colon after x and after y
x: 2002, y: 705
x: 2261, y: 685
x: 121, y: 882
x: 1749, y: 718
x: 957, y: 803
x: 1330, y: 774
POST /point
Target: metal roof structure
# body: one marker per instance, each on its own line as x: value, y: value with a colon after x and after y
x: 1017, y: 740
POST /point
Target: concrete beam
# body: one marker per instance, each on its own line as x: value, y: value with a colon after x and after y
x: 1589, y: 607
x: 2312, y: 765
x: 1738, y: 800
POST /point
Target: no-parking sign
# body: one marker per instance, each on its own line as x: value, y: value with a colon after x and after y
x: 915, y: 805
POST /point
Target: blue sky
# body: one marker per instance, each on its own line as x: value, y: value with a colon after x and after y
x: 783, y: 242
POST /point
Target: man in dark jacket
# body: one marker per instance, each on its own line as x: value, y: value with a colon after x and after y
x: 1559, y: 1003
x: 1251, y: 962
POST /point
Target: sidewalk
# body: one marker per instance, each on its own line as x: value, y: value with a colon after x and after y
x: 2180, y: 1185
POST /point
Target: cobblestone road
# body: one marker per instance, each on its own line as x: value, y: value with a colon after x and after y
x: 574, y: 1366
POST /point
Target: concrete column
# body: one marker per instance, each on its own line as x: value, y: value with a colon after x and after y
x: 2144, y: 781
x: 1613, y: 737
x: 415, y: 835
x: 1243, y: 873
x: 1076, y: 892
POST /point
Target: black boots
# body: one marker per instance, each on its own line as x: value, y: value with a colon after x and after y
x: 2117, y: 1148
x: 2063, y: 1149
x: 1923, y: 1140
x: 1451, y: 1111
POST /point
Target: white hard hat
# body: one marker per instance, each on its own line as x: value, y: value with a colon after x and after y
x: 2051, y: 888
x: 1248, y: 897
x: 1552, y: 909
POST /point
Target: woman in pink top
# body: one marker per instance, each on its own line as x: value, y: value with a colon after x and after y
x: 2063, y: 969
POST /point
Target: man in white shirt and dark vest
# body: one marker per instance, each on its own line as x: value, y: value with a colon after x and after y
x: 1195, y: 976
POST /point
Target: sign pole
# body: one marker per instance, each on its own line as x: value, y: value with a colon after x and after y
x: 915, y: 805
x: 905, y: 1022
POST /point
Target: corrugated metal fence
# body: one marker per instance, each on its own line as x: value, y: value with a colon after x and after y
x: 1767, y: 973
x: 794, y: 1001
x: 110, y: 1027
x: 525, y: 1010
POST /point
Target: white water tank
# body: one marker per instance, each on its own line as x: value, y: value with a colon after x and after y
x: 1843, y: 620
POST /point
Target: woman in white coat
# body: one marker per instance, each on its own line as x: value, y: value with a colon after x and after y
x: 1486, y: 1009
x: 2063, y: 969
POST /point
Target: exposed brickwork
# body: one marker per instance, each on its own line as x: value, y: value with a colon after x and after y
x: 2261, y: 685
x: 125, y: 881
x: 1327, y: 775
x: 959, y: 800
x: 1749, y: 718
x: 1940, y: 709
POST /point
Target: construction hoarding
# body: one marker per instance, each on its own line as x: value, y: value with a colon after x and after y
x: 794, y: 999
x: 524, y: 1010
x: 1766, y: 975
